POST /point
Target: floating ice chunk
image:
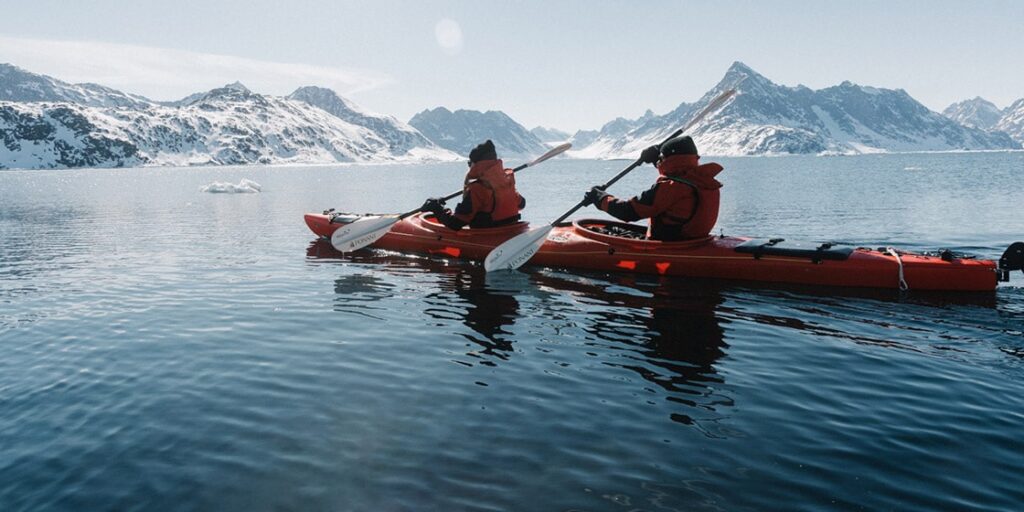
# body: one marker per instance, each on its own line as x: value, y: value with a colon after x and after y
x: 223, y: 187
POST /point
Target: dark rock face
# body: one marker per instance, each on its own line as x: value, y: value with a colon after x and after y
x: 61, y: 136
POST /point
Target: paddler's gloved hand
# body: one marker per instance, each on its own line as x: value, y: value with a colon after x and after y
x: 650, y: 155
x: 595, y: 196
x: 433, y: 205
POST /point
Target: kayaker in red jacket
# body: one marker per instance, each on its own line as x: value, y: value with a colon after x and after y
x: 682, y: 204
x: 489, y: 198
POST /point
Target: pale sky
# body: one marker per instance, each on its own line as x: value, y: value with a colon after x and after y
x: 564, y: 64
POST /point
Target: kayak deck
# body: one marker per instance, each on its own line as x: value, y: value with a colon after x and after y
x: 586, y: 244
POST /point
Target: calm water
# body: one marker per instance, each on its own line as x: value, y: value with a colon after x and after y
x: 165, y: 349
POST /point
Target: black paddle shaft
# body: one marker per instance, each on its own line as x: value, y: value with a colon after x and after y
x: 451, y: 196
x: 712, y: 106
x: 612, y: 181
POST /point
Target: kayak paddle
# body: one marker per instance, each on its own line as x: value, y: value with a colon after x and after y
x: 516, y: 251
x: 369, y: 229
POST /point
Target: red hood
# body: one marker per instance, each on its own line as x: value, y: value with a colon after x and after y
x: 483, y: 167
x: 688, y: 167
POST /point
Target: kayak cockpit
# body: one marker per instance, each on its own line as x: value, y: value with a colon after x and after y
x: 429, y: 222
x: 614, y: 232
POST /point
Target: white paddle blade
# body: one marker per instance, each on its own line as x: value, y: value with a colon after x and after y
x: 553, y: 152
x: 362, y: 232
x: 516, y: 251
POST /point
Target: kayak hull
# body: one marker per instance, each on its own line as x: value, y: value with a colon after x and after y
x: 577, y: 245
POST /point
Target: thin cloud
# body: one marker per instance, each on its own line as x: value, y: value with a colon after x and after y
x: 166, y: 74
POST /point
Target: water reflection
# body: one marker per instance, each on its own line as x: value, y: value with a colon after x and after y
x: 671, y: 333
x: 358, y: 294
x: 921, y: 321
x: 487, y: 309
x: 667, y: 331
x: 460, y: 292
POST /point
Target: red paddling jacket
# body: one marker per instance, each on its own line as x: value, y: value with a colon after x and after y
x: 489, y: 198
x: 683, y: 203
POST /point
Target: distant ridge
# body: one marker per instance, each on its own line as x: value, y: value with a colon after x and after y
x: 21, y: 86
x: 400, y: 137
x: 461, y: 130
x: 981, y: 113
x: 549, y: 134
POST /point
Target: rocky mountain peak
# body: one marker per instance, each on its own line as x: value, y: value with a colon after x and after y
x: 9, y: 69
x: 977, y: 112
x: 399, y: 136
x: 1012, y: 121
x: 740, y: 73
x: 237, y: 86
x: 326, y: 99
x: 19, y: 85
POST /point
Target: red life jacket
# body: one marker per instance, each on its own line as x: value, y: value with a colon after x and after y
x: 698, y: 213
x: 492, y: 189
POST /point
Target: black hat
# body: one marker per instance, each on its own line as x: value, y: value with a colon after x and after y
x: 679, y: 146
x: 483, y: 152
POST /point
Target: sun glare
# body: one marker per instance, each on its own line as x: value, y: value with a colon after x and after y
x: 449, y: 36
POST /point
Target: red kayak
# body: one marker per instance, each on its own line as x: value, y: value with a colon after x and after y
x: 615, y: 246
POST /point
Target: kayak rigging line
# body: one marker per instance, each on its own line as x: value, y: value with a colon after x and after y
x: 903, y: 283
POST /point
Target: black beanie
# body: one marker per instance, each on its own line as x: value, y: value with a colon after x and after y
x: 483, y: 152
x: 679, y: 146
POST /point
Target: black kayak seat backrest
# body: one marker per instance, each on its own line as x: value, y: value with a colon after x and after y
x: 780, y: 247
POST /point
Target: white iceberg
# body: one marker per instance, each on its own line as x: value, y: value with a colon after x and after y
x: 223, y: 187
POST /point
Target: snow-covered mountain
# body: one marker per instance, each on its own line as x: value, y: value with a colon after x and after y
x: 980, y: 113
x: 549, y: 134
x: 767, y: 118
x: 46, y: 123
x: 1012, y: 121
x: 400, y: 137
x: 584, y: 141
x: 462, y: 130
x: 19, y: 85
x: 227, y: 125
x: 191, y: 98
x: 583, y: 138
x: 976, y: 113
x: 59, y: 135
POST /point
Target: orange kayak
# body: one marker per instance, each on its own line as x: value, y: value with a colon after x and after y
x: 618, y: 247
